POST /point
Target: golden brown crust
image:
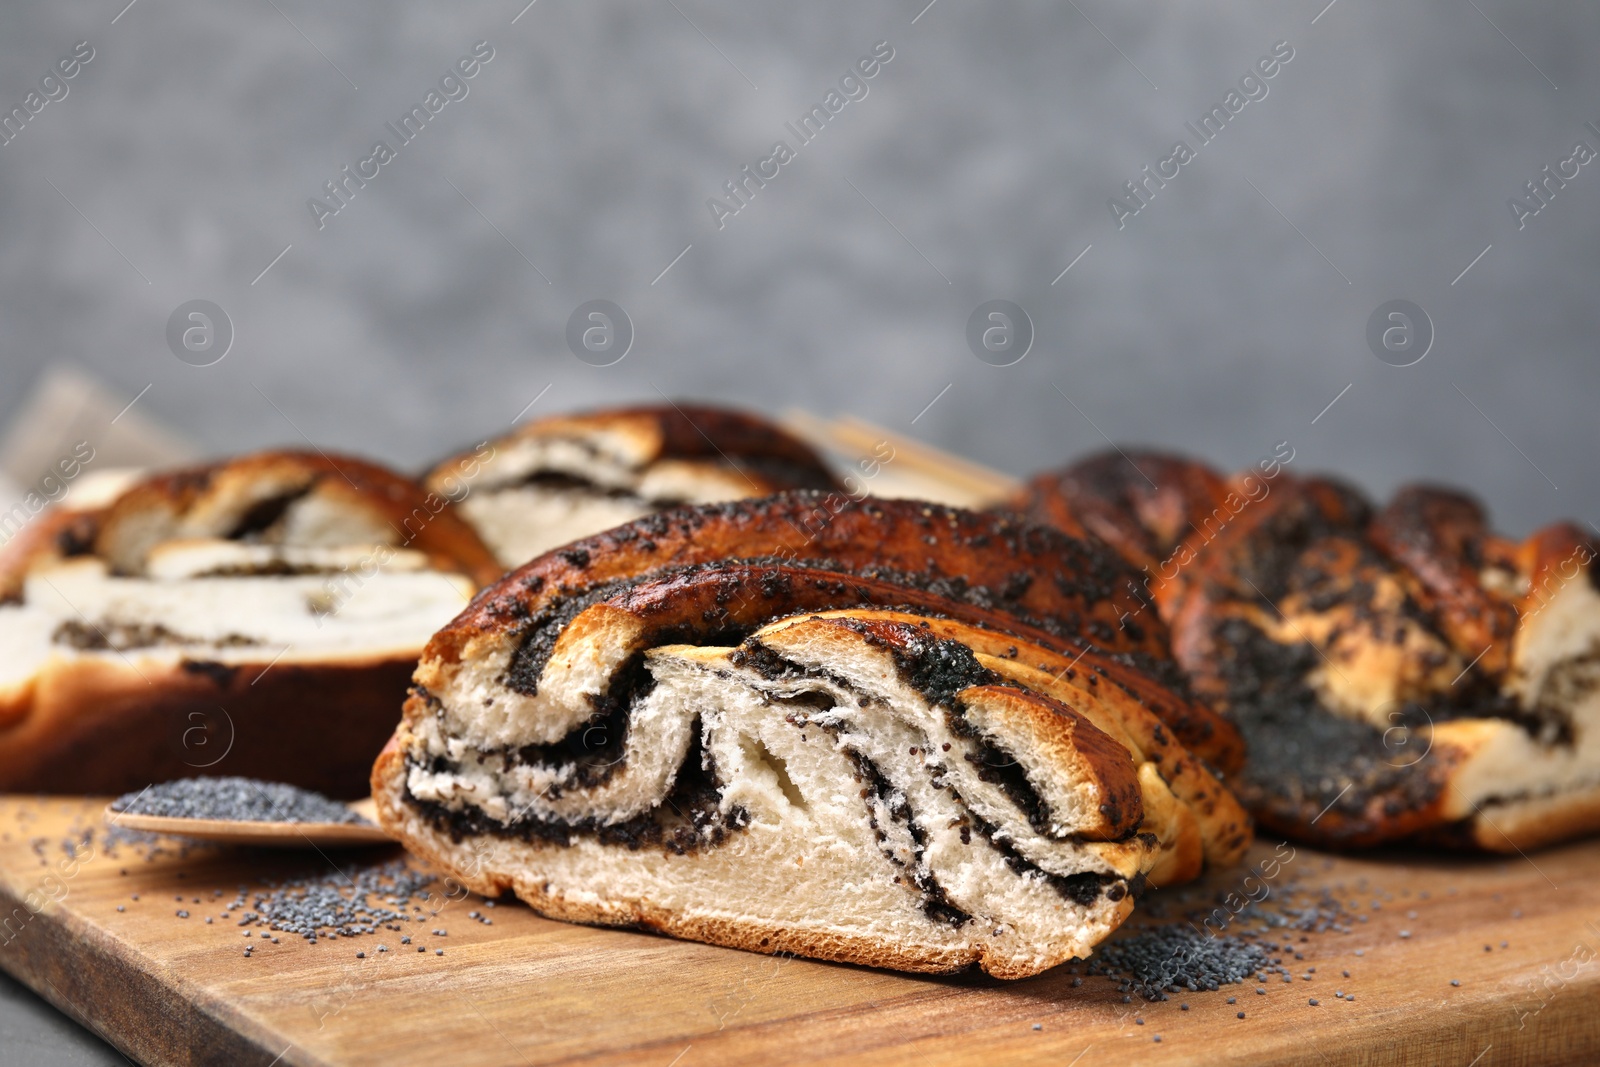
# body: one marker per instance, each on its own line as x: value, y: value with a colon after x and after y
x: 1224, y: 829
x: 1550, y: 558
x: 1075, y: 591
x: 1518, y: 826
x: 1440, y: 537
x: 1031, y: 572
x: 98, y: 723
x: 1060, y: 735
x: 100, y: 726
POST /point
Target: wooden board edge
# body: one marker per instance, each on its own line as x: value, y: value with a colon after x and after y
x: 146, y: 1016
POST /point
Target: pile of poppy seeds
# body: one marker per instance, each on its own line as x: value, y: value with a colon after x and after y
x: 1160, y: 960
x: 332, y: 905
x: 1190, y: 955
x: 235, y: 799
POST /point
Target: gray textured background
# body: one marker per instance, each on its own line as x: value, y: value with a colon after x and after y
x: 1223, y: 319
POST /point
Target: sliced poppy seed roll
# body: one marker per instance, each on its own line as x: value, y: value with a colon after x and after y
x: 799, y: 752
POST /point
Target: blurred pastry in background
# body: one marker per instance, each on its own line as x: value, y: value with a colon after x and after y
x: 554, y: 480
x: 1398, y: 674
x: 258, y: 616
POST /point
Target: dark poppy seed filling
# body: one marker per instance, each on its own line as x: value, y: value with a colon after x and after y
x: 1083, y: 888
x: 938, y: 669
x: 879, y: 732
x: 590, y: 753
x: 737, y: 599
x: 1060, y: 593
x: 596, y: 749
x: 76, y: 538
x: 110, y: 635
x: 765, y: 662
x: 541, y: 631
x: 564, y: 481
x: 936, y: 903
x: 775, y: 470
x: 686, y: 820
x: 1307, y: 759
x: 1000, y: 768
x: 263, y: 515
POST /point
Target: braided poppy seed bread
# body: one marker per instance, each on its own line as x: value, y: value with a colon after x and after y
x: 557, y: 479
x: 728, y: 725
x: 1402, y: 674
x: 258, y: 616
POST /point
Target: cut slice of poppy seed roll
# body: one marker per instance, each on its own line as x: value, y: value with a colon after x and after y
x: 788, y: 756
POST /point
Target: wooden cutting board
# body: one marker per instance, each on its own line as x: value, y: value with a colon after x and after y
x: 526, y: 990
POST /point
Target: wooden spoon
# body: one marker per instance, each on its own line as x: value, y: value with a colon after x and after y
x: 263, y: 834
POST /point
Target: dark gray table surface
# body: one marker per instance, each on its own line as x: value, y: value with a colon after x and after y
x: 35, y: 1034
